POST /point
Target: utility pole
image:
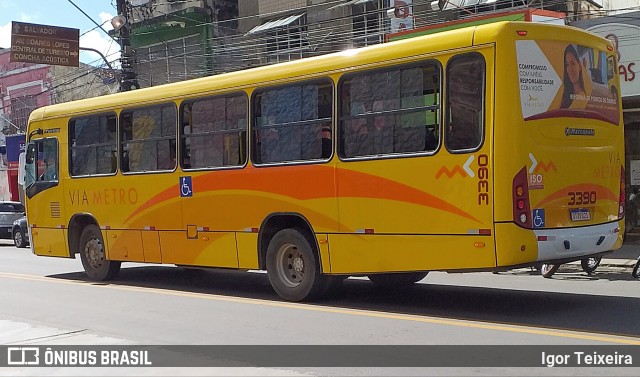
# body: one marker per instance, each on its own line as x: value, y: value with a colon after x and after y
x: 128, y: 79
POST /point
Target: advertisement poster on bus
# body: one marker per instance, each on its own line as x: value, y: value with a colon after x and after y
x: 566, y: 80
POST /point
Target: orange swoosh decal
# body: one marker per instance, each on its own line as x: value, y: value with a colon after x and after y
x: 355, y: 184
x: 165, y: 195
x: 308, y: 182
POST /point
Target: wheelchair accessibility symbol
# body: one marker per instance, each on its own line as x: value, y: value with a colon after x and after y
x: 186, y: 188
x: 538, y: 218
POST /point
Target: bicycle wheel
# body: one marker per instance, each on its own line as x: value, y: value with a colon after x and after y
x: 547, y: 270
x: 589, y: 265
x: 636, y: 270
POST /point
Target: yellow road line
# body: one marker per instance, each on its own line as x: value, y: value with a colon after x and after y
x: 356, y: 312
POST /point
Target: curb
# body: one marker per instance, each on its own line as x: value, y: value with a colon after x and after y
x: 618, y: 262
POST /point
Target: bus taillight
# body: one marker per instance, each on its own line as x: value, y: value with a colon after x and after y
x: 623, y: 198
x: 520, y: 193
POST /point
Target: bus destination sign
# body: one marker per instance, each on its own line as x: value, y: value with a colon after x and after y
x: 43, y: 44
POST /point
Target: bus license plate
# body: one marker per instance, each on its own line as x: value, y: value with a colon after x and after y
x: 580, y: 214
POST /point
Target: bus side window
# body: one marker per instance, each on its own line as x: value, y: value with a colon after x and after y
x: 325, y: 111
x: 148, y: 138
x: 213, y: 131
x: 292, y: 123
x: 465, y: 102
x: 185, y: 131
x: 125, y: 135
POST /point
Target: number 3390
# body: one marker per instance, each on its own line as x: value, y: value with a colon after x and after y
x: 579, y: 198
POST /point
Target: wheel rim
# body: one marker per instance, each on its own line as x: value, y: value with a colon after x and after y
x: 593, y: 262
x: 290, y: 265
x: 17, y: 237
x: 94, y: 252
x: 546, y: 268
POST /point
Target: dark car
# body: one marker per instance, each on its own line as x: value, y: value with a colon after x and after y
x: 20, y: 232
x: 9, y: 212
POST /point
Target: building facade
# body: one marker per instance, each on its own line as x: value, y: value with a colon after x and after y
x: 178, y: 40
x: 25, y: 87
x: 624, y: 32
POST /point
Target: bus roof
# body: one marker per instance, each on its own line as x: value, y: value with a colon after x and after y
x: 316, y: 66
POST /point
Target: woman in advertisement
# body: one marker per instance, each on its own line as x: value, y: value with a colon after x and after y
x: 585, y: 83
x: 574, y: 95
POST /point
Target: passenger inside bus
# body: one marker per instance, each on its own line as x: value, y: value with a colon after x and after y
x: 383, y: 126
x: 324, y: 112
x: 357, y: 133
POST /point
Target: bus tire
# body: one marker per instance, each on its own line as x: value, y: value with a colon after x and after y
x: 93, y: 256
x: 547, y: 270
x: 292, y: 266
x: 589, y: 265
x: 398, y: 280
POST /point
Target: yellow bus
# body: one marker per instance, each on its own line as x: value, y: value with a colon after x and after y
x: 479, y: 149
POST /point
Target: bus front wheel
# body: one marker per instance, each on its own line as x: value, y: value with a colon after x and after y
x: 398, y: 280
x: 292, y: 266
x: 93, y: 256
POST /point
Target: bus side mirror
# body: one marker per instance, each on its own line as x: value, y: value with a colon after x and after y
x: 31, y: 153
x: 29, y: 170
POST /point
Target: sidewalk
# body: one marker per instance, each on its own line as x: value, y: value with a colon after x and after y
x: 627, y: 255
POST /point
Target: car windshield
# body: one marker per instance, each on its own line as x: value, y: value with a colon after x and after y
x: 11, y: 207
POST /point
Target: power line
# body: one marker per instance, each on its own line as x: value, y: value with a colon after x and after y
x: 89, y: 17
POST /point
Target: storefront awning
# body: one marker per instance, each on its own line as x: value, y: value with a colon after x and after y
x: 281, y: 22
x: 351, y: 2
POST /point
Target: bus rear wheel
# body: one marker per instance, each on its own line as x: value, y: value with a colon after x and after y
x: 93, y: 256
x: 292, y: 266
x: 398, y: 280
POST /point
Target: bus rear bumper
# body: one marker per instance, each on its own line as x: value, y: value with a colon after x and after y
x: 577, y: 242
